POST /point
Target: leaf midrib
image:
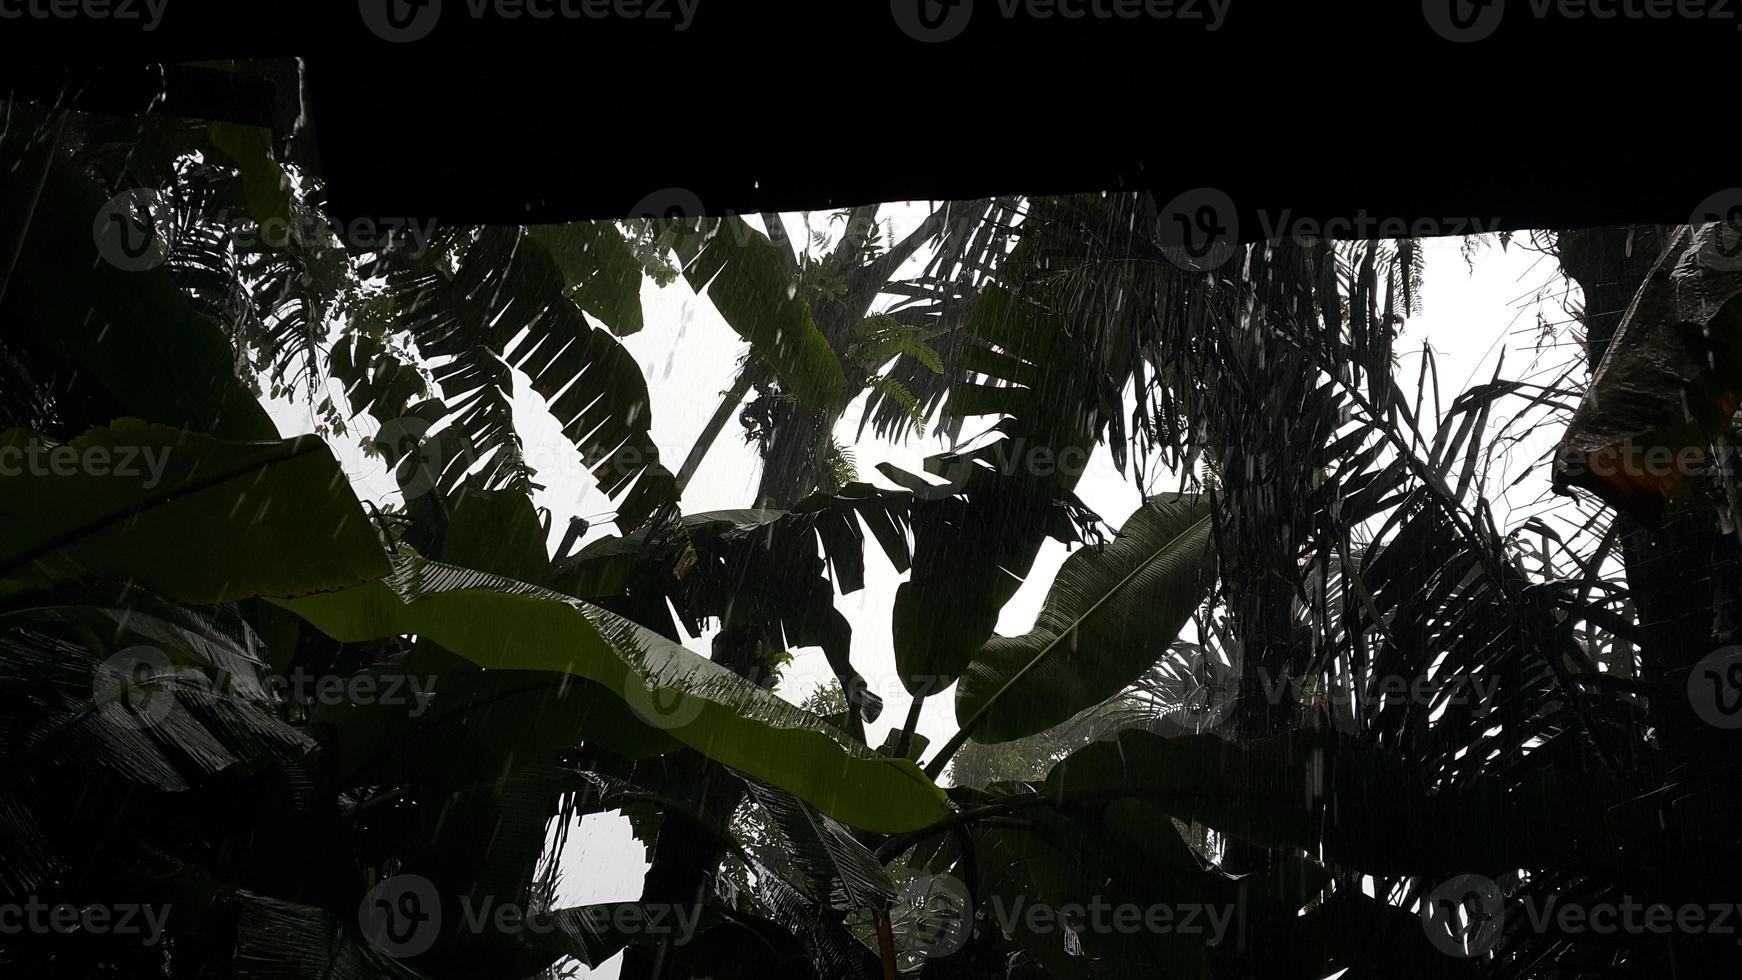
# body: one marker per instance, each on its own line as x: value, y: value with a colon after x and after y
x: 1046, y: 651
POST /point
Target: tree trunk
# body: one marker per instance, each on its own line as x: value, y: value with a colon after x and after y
x: 686, y: 858
x: 1679, y: 576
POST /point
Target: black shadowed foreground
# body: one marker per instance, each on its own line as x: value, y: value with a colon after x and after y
x: 1315, y: 709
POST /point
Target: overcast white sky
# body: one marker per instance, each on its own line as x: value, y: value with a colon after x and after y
x: 688, y: 354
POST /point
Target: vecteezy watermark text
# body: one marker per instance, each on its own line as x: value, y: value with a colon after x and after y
x: 119, y: 919
x: 1423, y: 690
x: 1100, y: 916
x: 1466, y: 916
x: 142, y: 680
x: 131, y: 235
x: 402, y: 916
x: 403, y: 21
x: 146, y: 13
x: 1199, y: 229
x: 941, y: 20
x: 1464, y: 21
x: 125, y: 462
x: 306, y: 229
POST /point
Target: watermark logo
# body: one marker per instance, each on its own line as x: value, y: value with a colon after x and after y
x: 1720, y: 247
x: 932, y: 21
x: 1715, y: 688
x: 1630, y: 916
x: 139, y: 681
x: 662, y: 707
x: 669, y: 211
x: 401, y: 916
x: 1630, y: 459
x: 937, y: 913
x: 668, y: 202
x: 304, y: 689
x: 1198, y: 230
x: 146, y: 13
x: 1363, y: 224
x: 400, y: 21
x: 1463, y: 21
x: 126, y: 230
x: 419, y: 458
x: 1465, y: 916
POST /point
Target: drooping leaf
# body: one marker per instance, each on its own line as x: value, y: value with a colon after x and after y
x: 128, y: 338
x: 1111, y: 613
x: 495, y: 531
x: 742, y: 273
x: 500, y: 624
x: 197, y: 519
x: 265, y: 188
x: 603, y: 275
x: 975, y: 540
x: 505, y: 307
x: 752, y: 567
x: 969, y: 557
x: 837, y: 869
x: 112, y: 689
x: 1299, y: 791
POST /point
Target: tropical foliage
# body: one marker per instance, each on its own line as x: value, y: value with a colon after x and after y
x: 1329, y: 527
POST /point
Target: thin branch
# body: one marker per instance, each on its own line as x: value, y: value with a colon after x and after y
x: 886, y: 944
x: 728, y: 405
x: 879, y: 271
x: 859, y: 222
x: 906, y: 736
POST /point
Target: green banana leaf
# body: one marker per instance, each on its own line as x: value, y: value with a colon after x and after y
x: 193, y: 518
x: 971, y: 555
x: 129, y: 338
x: 496, y: 531
x: 506, y: 306
x: 741, y: 272
x: 1296, y: 791
x: 975, y: 540
x: 501, y: 624
x: 1110, y: 614
x: 266, y: 189
x: 603, y: 275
